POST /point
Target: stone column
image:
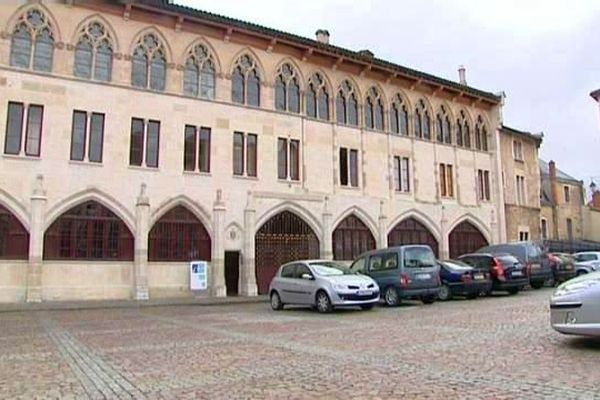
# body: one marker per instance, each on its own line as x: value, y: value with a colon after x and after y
x: 495, y: 234
x: 248, y: 272
x: 445, y: 244
x: 36, y: 241
x: 140, y: 260
x: 382, y: 242
x: 327, y: 245
x: 218, y: 288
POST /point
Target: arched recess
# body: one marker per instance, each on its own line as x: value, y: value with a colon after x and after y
x: 467, y: 236
x: 12, y: 21
x: 15, y: 207
x: 202, y: 41
x: 97, y: 18
x: 259, y: 65
x: 88, y: 231
x: 411, y: 230
x: 14, y: 237
x: 159, y: 34
x: 297, y: 69
x: 183, y: 200
x: 351, y: 238
x: 179, y: 236
x: 283, y: 238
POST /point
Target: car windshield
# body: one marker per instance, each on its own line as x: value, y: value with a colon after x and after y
x: 419, y: 257
x: 456, y: 265
x: 507, y: 260
x: 330, y: 269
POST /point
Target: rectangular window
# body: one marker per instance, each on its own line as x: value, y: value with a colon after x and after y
x: 78, y: 135
x: 288, y: 159
x: 401, y: 174
x: 238, y: 153
x: 483, y: 184
x: 567, y: 194
x: 446, y: 180
x: 152, y: 144
x: 144, y: 136
x: 354, y: 168
x: 523, y: 236
x: 136, y: 149
x: 189, y: 148
x: 245, y: 148
x: 569, y: 229
x: 282, y: 158
x: 33, y: 136
x: 96, y: 137
x: 251, y: 154
x: 14, y: 128
x: 486, y: 185
x: 520, y: 189
x: 343, y: 166
x: 204, y: 150
x: 196, y: 142
x: 518, y: 150
x: 295, y: 160
x: 544, y: 227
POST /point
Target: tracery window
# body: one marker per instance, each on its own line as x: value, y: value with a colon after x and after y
x: 481, y: 139
x: 399, y: 116
x: 94, y: 53
x: 149, y: 63
x: 317, y: 98
x: 374, y: 112
x: 199, y: 74
x: 422, y: 120
x: 32, y: 44
x: 463, y: 130
x: 346, y: 105
x: 444, y: 126
x: 287, y: 89
x: 245, y: 82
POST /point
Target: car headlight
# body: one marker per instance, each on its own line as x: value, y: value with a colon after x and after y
x: 338, y: 286
x: 569, y: 288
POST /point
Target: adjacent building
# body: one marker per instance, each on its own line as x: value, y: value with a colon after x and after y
x: 141, y: 135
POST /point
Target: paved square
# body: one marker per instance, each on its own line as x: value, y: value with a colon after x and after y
x: 492, y: 348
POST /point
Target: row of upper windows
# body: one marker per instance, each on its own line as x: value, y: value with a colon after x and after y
x: 32, y: 47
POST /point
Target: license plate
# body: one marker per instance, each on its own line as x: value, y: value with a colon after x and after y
x: 479, y: 276
x: 569, y: 267
x: 365, y: 292
x: 517, y: 273
x: 422, y: 277
x: 535, y: 266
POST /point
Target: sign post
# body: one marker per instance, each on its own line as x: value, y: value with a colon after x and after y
x: 198, y: 275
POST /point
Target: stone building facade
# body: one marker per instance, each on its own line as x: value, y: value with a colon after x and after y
x: 140, y: 135
x: 521, y: 182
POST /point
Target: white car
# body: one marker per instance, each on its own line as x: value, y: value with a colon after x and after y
x: 575, y: 306
x: 587, y: 261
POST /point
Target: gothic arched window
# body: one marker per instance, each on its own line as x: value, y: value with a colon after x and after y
x: 245, y: 82
x: 444, y: 127
x: 346, y: 105
x: 463, y: 130
x: 32, y: 44
x: 422, y: 121
x: 317, y: 98
x: 287, y: 89
x: 374, y: 112
x: 94, y: 53
x: 199, y: 74
x: 149, y: 63
x: 481, y: 139
x: 399, y: 116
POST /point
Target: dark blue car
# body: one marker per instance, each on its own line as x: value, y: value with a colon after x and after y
x: 460, y: 279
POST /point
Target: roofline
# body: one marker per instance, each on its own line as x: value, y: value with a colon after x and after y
x: 327, y: 49
x: 529, y: 135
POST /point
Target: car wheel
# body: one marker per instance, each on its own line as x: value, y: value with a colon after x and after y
x: 428, y: 299
x: 323, y: 302
x: 445, y: 293
x: 367, y: 307
x: 581, y: 272
x: 512, y: 291
x: 276, y: 303
x: 391, y: 297
x: 537, y: 285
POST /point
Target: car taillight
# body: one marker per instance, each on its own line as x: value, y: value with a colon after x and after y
x: 528, y: 268
x: 404, y: 281
x: 498, y: 269
x: 466, y: 277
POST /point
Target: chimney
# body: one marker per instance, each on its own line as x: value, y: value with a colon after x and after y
x: 596, y: 200
x: 323, y: 36
x: 462, y: 75
x: 554, y: 193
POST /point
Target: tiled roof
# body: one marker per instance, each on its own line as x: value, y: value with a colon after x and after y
x: 169, y: 6
x: 537, y: 138
x: 545, y: 171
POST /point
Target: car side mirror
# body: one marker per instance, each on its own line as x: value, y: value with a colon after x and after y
x: 308, y: 277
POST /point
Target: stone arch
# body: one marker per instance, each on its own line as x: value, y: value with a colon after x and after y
x: 93, y: 194
x: 363, y: 216
x: 259, y: 65
x: 412, y: 230
x: 39, y: 5
x: 475, y: 221
x: 302, y: 79
x: 352, y: 235
x: 101, y: 19
x: 466, y: 235
x: 183, y: 57
x: 15, y: 207
x: 155, y: 30
x: 405, y: 99
x: 382, y: 93
x: 355, y: 87
x: 188, y: 203
x: 328, y: 83
x: 422, y: 218
x: 294, y: 208
x: 14, y: 234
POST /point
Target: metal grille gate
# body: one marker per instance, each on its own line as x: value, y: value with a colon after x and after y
x: 411, y: 231
x: 465, y: 238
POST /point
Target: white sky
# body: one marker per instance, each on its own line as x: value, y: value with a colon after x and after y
x: 544, y: 54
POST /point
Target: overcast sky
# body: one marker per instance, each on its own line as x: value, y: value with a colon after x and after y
x: 544, y: 54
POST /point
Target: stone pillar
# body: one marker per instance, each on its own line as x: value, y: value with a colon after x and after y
x: 383, y: 242
x: 445, y: 244
x: 248, y: 272
x: 140, y: 260
x: 495, y: 235
x: 327, y: 245
x: 36, y: 241
x: 218, y: 288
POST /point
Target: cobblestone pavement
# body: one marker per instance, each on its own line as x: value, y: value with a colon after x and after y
x: 492, y: 348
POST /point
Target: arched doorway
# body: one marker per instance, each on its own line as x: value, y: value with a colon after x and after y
x: 351, y: 238
x: 14, y: 238
x: 179, y: 236
x: 411, y: 231
x: 88, y: 231
x: 465, y: 238
x: 283, y: 238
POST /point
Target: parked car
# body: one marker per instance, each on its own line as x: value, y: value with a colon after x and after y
x: 323, y: 284
x: 575, y: 306
x: 461, y: 279
x: 402, y: 272
x: 562, y: 266
x: 586, y: 262
x: 506, y: 270
x: 531, y: 255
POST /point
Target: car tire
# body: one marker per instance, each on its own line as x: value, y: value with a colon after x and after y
x: 428, y: 299
x: 323, y: 302
x: 367, y: 307
x: 391, y: 297
x: 581, y: 272
x: 445, y: 293
x: 537, y: 285
x: 276, y: 303
x: 513, y: 291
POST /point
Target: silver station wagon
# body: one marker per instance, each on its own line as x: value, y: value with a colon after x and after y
x: 575, y: 306
x: 323, y: 284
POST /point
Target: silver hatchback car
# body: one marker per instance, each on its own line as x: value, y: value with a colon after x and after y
x: 323, y: 284
x: 575, y: 306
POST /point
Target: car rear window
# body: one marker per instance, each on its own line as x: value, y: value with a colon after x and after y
x: 585, y: 257
x: 418, y: 257
x: 507, y: 260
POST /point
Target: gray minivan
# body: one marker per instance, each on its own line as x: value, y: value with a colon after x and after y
x: 402, y: 272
